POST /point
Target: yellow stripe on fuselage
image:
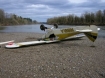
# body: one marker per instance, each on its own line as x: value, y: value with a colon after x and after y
x: 65, y: 35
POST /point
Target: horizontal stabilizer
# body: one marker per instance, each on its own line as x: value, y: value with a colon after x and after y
x: 87, y: 30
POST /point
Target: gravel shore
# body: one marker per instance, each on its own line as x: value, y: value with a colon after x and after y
x: 67, y: 59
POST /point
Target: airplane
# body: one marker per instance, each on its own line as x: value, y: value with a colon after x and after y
x: 90, y: 31
x: 55, y: 34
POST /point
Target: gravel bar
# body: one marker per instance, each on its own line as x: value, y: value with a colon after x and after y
x: 78, y: 58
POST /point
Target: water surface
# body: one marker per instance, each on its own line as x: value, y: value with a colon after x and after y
x: 36, y: 29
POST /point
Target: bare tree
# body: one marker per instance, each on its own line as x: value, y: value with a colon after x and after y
x: 2, y: 16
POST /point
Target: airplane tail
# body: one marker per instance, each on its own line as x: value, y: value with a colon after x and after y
x: 93, y: 34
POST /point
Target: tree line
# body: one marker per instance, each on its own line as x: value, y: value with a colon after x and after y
x: 87, y: 18
x: 12, y: 19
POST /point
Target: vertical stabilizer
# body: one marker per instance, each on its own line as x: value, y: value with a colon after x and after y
x: 93, y: 34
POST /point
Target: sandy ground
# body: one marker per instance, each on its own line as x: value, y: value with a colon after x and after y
x: 67, y: 59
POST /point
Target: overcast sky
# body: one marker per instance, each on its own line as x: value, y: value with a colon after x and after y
x: 41, y: 10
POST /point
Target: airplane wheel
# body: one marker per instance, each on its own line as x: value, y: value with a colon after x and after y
x: 42, y: 27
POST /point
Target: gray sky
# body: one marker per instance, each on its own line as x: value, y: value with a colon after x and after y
x: 41, y: 10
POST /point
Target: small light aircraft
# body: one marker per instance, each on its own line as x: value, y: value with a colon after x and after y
x: 90, y: 31
x: 54, y: 35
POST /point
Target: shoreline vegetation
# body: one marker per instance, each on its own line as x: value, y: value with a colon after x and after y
x: 7, y: 19
x: 97, y: 18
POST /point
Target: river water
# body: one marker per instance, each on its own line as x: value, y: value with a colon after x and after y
x: 36, y: 29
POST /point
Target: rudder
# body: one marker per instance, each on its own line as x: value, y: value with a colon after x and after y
x: 92, y: 35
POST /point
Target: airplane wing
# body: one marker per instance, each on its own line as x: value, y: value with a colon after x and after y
x: 6, y: 42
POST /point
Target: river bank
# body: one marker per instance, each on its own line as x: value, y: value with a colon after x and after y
x: 67, y: 59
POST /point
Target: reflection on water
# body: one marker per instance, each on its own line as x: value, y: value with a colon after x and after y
x: 36, y: 28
